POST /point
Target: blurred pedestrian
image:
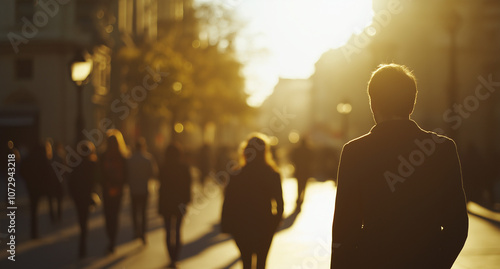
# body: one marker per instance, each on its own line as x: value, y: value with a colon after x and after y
x: 253, y: 204
x: 36, y: 171
x: 175, y: 194
x: 205, y: 162
x: 113, y: 164
x: 302, y: 158
x: 81, y: 184
x: 55, y: 190
x: 400, y: 201
x: 141, y: 167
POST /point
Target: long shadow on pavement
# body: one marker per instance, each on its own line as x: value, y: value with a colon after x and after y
x: 206, y: 241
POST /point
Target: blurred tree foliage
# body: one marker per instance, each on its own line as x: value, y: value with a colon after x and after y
x: 204, y: 82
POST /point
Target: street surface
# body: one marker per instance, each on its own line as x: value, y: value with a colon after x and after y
x: 303, y: 241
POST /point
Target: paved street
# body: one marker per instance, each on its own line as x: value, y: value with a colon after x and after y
x: 303, y: 242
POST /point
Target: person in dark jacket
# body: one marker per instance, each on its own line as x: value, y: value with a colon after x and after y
x: 81, y: 184
x: 36, y: 171
x: 141, y: 168
x: 113, y: 167
x: 302, y: 157
x: 175, y: 195
x: 253, y: 204
x: 400, y: 201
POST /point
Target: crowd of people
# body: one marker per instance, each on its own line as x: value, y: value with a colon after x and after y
x: 252, y: 210
x: 416, y: 218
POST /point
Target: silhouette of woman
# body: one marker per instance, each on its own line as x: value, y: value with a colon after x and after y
x: 113, y: 168
x: 81, y: 184
x: 253, y: 204
x: 175, y: 194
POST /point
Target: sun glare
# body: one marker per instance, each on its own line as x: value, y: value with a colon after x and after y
x: 293, y: 35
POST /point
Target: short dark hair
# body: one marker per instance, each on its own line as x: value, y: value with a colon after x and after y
x: 393, y: 89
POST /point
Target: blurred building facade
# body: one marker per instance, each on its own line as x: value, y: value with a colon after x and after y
x: 286, y: 110
x: 453, y: 48
x: 37, y: 43
x: 40, y: 38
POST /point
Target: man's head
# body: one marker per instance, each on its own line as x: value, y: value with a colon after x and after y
x: 392, y: 90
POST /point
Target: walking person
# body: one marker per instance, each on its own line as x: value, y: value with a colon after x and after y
x: 81, y: 183
x: 36, y: 171
x: 141, y: 167
x: 113, y: 166
x: 400, y: 201
x: 302, y: 158
x: 55, y: 190
x: 253, y: 204
x: 175, y: 195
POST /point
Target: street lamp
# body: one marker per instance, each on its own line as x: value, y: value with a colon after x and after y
x: 344, y: 109
x: 80, y: 68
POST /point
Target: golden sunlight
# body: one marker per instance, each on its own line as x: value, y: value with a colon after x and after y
x: 293, y: 34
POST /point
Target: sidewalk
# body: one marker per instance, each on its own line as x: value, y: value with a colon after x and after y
x: 482, y: 248
x: 483, y: 212
x: 305, y: 235
x: 304, y: 241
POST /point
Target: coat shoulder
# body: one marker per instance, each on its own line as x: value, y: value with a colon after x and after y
x: 358, y: 141
x: 438, y: 138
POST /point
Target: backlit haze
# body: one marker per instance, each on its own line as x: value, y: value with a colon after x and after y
x: 284, y: 38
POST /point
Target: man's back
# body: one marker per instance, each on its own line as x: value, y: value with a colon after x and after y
x: 400, y: 202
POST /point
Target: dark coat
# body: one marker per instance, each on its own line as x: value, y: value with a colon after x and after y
x: 248, y: 205
x: 175, y: 189
x: 37, y: 172
x: 55, y: 185
x: 81, y: 183
x: 113, y: 174
x: 400, y: 201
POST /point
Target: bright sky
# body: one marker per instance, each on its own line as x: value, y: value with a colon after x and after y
x: 285, y: 38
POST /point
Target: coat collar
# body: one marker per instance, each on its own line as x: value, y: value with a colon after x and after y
x: 399, y: 125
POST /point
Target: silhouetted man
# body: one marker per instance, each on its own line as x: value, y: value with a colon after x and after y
x: 400, y: 201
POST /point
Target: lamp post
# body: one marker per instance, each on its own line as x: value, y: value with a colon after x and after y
x: 80, y: 68
x: 344, y: 109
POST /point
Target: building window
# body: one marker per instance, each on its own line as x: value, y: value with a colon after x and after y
x: 25, y: 8
x: 24, y: 68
